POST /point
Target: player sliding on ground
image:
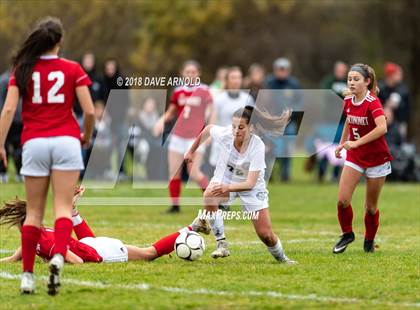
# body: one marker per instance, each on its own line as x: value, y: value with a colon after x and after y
x: 240, y: 173
x: 367, y: 154
x: 87, y: 247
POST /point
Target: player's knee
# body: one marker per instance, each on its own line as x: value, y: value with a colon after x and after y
x: 343, y: 202
x: 371, y: 207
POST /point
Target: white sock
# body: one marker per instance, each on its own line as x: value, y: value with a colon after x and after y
x: 277, y: 251
x: 76, y: 219
x: 217, y: 225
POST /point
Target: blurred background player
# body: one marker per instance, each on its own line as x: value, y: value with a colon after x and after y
x: 89, y: 248
x: 190, y: 106
x: 240, y: 173
x: 367, y: 154
x: 13, y: 146
x: 254, y: 81
x: 51, y: 139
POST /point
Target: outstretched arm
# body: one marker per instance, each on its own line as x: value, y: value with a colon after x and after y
x: 202, y: 137
x: 73, y: 258
x: 14, y: 258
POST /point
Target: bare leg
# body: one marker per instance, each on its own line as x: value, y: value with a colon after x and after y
x: 146, y: 254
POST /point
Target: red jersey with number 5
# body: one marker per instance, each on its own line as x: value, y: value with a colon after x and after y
x: 192, y: 104
x: 47, y: 109
x: 361, y: 120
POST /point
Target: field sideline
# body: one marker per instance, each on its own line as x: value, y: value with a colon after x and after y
x: 303, y: 215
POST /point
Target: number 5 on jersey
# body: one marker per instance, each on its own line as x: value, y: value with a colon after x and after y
x: 53, y: 97
x: 356, y: 135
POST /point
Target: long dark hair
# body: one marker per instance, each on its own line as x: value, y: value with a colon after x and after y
x: 264, y: 122
x: 13, y: 212
x: 43, y: 38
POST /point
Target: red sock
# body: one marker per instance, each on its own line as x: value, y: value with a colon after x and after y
x: 175, y: 190
x: 345, y: 217
x: 83, y: 230
x: 30, y: 237
x: 166, y: 244
x: 371, y: 225
x: 62, y: 234
x: 203, y: 183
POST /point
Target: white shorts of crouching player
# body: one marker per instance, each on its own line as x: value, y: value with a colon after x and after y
x: 372, y: 172
x: 182, y: 145
x: 41, y: 155
x: 111, y: 250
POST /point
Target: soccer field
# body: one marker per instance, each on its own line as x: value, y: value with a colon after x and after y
x: 304, y: 216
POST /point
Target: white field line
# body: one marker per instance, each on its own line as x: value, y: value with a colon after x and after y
x: 203, y: 291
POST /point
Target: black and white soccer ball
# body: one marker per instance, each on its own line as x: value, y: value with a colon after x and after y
x: 189, y: 245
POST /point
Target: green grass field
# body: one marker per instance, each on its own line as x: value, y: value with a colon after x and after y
x: 303, y: 215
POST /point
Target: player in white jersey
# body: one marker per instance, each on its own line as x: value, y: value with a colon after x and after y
x: 226, y: 103
x: 240, y: 173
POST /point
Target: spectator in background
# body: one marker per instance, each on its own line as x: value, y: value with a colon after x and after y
x: 338, y: 80
x: 255, y: 79
x: 219, y: 81
x: 117, y: 112
x: 102, y: 141
x: 13, y: 138
x: 156, y: 160
x: 284, y: 96
x: 226, y: 103
x: 394, y: 95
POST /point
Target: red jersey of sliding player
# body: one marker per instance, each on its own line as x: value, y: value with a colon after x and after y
x: 192, y: 103
x: 361, y: 120
x: 47, y: 106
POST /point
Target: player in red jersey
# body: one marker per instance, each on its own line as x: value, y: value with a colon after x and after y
x: 190, y: 105
x: 367, y: 154
x: 87, y: 247
x: 51, y: 139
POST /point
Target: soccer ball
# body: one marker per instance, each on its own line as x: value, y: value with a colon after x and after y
x: 189, y: 245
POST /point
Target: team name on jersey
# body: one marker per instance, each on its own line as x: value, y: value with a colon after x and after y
x: 191, y: 101
x: 358, y: 120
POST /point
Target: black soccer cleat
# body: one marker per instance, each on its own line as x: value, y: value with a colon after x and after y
x: 173, y: 209
x: 344, y: 241
x: 369, y: 246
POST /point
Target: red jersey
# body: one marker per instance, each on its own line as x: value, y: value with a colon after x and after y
x: 361, y: 121
x: 47, y: 109
x: 46, y: 245
x: 192, y: 104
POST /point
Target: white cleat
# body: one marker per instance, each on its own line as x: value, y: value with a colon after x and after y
x: 201, y: 226
x: 222, y: 250
x: 27, y: 284
x: 287, y: 261
x: 56, y: 265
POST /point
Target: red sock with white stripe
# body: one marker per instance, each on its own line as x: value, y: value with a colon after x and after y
x: 166, y: 244
x: 62, y: 234
x: 371, y: 225
x: 175, y: 191
x: 29, y: 239
x: 345, y: 217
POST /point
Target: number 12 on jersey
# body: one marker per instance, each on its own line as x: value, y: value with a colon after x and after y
x: 53, y: 97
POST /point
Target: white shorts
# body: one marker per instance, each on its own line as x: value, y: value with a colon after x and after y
x: 181, y: 145
x: 111, y: 250
x: 41, y: 155
x: 372, y: 172
x: 251, y: 201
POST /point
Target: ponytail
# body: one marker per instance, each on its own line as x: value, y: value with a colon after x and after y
x: 263, y: 122
x: 368, y: 73
x: 43, y: 38
x: 13, y: 212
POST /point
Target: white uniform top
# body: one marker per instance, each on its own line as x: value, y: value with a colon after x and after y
x: 232, y: 166
x: 225, y: 106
